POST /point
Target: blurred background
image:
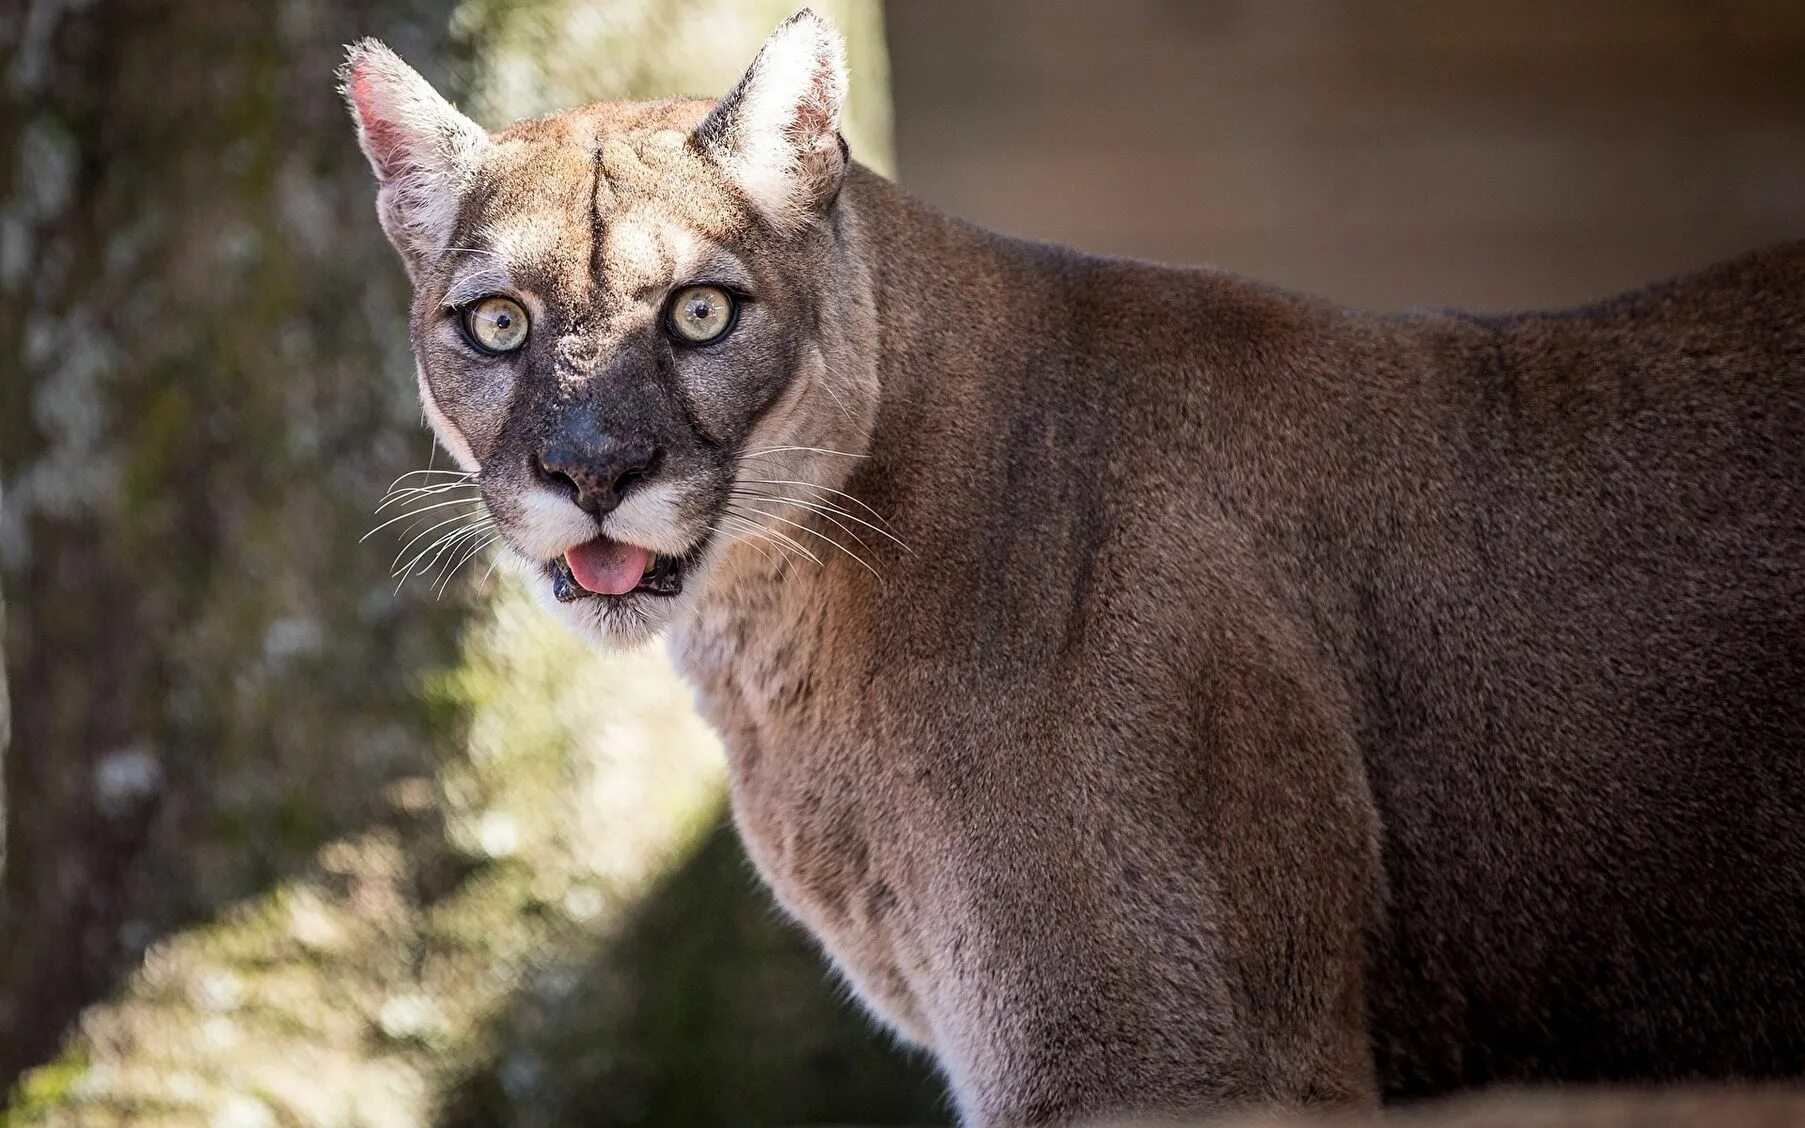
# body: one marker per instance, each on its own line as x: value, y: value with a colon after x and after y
x: 1384, y: 153
x: 286, y: 844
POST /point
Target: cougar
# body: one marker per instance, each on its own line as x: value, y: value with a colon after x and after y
x: 1157, y: 691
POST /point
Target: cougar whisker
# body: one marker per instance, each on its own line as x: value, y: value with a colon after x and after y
x: 412, y: 513
x: 807, y: 507
x: 778, y: 533
x: 820, y: 535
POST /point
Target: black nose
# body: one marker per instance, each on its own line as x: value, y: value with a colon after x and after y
x: 597, y: 472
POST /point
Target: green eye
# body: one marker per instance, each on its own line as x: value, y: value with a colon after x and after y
x: 700, y: 314
x: 497, y: 325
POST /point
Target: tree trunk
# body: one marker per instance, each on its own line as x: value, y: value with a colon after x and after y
x: 205, y: 390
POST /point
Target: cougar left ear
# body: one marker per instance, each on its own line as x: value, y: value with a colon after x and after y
x: 777, y: 133
x: 420, y: 147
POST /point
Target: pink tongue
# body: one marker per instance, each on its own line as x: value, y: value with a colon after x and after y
x: 608, y: 567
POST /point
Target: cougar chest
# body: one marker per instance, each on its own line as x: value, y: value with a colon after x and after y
x: 809, y: 788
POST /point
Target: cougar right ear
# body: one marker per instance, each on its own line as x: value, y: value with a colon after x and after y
x: 777, y: 133
x: 420, y: 147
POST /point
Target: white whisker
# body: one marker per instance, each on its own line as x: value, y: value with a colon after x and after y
x: 453, y: 520
x: 818, y: 486
x: 826, y: 506
x: 438, y: 549
x: 810, y: 449
x: 759, y: 533
x: 827, y: 386
x: 414, y: 473
x: 827, y: 513
x: 716, y: 530
x: 469, y: 555
x: 818, y: 534
x: 411, y: 513
x: 483, y: 584
x: 412, y: 566
x: 400, y: 496
x: 778, y: 533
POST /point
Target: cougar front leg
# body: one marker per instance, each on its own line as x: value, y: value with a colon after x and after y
x: 1179, y: 935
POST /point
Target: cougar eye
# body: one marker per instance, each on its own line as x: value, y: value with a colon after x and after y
x: 700, y: 314
x: 496, y: 325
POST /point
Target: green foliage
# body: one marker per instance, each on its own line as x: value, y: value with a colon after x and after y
x: 47, y: 1088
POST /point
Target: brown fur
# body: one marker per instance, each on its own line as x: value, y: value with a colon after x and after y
x: 1675, y: 1108
x: 1268, y: 702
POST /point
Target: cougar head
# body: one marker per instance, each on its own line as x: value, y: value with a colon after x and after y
x: 633, y: 322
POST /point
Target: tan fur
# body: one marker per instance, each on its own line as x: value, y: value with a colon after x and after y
x: 1260, y: 702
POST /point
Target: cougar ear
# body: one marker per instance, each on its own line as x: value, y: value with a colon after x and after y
x: 420, y: 147
x: 777, y: 133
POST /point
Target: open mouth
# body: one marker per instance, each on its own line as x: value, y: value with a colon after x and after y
x: 610, y: 569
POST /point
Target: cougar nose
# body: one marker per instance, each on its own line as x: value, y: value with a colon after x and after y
x: 599, y: 472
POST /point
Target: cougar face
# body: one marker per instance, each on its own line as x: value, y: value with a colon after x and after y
x: 619, y: 315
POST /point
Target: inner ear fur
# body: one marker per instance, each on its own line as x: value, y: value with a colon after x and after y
x: 420, y: 147
x: 777, y: 132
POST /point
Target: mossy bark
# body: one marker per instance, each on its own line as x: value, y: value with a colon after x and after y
x: 205, y: 392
